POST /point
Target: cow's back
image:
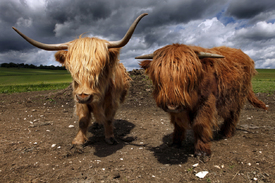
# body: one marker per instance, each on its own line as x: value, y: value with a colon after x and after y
x: 234, y: 74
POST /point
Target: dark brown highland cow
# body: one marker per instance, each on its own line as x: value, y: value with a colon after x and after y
x: 193, y: 87
x: 100, y: 82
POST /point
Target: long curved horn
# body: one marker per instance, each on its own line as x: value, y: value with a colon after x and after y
x: 51, y: 47
x: 148, y: 56
x: 128, y: 35
x: 208, y: 55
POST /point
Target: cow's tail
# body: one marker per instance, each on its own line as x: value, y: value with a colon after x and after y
x: 255, y: 101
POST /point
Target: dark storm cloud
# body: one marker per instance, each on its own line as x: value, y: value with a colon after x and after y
x: 169, y: 21
x: 62, y: 21
x: 244, y: 9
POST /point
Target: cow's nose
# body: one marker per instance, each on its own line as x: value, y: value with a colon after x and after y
x: 172, y: 107
x: 84, y: 98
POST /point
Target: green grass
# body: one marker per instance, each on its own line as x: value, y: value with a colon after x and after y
x: 264, y: 82
x: 24, y: 76
x: 29, y: 88
x: 23, y: 80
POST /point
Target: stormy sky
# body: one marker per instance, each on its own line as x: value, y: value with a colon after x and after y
x: 245, y: 24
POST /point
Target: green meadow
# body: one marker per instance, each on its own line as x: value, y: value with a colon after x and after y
x: 24, y: 80
x: 264, y: 81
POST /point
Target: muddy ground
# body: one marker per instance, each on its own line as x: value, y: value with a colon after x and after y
x: 36, y: 133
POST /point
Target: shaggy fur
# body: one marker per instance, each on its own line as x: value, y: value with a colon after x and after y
x: 195, y: 90
x: 98, y: 75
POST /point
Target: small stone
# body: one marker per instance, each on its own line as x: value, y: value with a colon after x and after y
x: 53, y: 145
x: 71, y: 126
x: 202, y: 174
x: 195, y: 165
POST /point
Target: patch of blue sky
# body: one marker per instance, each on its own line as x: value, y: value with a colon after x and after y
x: 271, y: 21
x: 178, y: 28
x: 224, y: 19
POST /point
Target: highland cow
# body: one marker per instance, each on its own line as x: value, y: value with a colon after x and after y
x: 100, y: 82
x: 195, y: 85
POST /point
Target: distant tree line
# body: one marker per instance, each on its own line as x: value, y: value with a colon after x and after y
x: 22, y: 65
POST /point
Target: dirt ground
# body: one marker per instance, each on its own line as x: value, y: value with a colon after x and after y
x: 36, y: 130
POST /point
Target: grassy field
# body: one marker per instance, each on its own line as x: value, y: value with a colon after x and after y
x: 23, y: 80
x: 264, y: 82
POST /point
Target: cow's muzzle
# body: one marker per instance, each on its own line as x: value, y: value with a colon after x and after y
x: 84, y: 98
x: 173, y: 108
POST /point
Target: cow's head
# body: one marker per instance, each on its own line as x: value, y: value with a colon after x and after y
x: 176, y: 71
x: 91, y: 62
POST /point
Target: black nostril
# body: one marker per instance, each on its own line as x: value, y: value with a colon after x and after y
x: 83, y: 98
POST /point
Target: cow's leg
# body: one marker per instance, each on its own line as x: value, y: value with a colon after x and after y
x: 84, y: 117
x: 229, y: 125
x: 109, y: 132
x: 108, y: 125
x: 180, y: 122
x: 106, y: 118
x: 202, y: 125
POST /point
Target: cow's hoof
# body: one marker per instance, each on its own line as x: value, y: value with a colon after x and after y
x: 78, y: 141
x: 111, y: 141
x: 202, y: 156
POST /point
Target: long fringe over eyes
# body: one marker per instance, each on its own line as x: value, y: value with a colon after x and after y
x: 176, y: 70
x: 87, y: 58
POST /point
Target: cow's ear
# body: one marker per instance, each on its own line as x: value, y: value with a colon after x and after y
x: 145, y: 64
x: 60, y: 56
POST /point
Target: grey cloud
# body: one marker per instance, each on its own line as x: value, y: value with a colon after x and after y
x: 244, y: 9
x: 64, y: 20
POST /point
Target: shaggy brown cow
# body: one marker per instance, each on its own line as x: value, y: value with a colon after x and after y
x: 100, y: 82
x: 193, y: 87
